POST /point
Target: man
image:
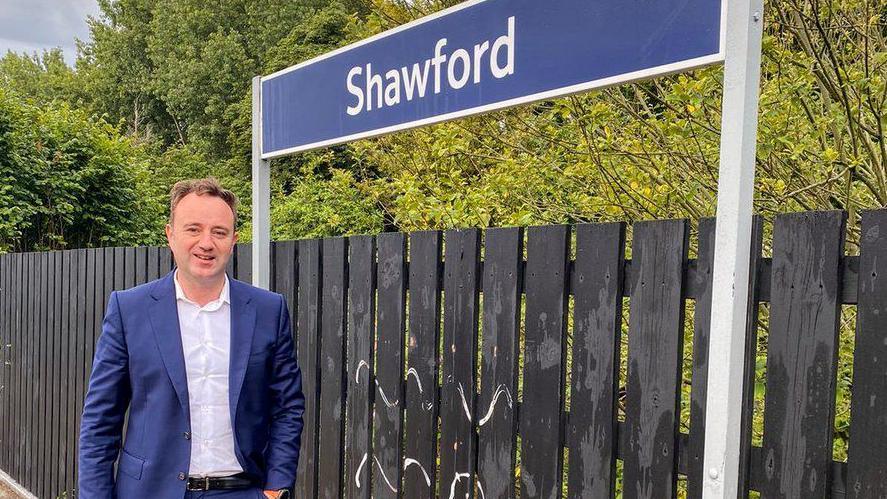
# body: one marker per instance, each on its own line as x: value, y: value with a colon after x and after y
x: 205, y: 365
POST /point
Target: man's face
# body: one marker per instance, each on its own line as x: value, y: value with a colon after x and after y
x: 202, y: 236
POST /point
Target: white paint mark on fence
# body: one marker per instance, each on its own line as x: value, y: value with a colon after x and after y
x: 360, y: 467
x: 464, y: 402
x: 501, y: 389
x: 456, y: 479
x: 415, y: 374
x: 360, y: 364
x: 410, y: 461
x: 480, y: 487
x: 383, y: 474
x: 384, y: 398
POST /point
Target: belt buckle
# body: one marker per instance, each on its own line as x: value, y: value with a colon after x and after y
x: 205, y: 485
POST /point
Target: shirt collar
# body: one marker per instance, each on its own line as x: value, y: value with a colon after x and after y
x: 224, y: 295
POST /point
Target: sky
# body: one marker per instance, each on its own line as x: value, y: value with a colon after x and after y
x: 34, y: 25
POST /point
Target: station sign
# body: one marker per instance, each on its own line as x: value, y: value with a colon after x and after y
x: 481, y: 56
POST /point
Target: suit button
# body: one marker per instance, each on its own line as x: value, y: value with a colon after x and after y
x: 187, y: 435
x: 181, y: 476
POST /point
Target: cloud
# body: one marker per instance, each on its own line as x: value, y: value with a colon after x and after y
x: 35, y: 25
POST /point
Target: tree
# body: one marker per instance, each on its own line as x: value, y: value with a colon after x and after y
x: 43, y: 78
x: 66, y: 180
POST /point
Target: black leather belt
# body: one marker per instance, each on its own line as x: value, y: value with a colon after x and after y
x: 238, y: 481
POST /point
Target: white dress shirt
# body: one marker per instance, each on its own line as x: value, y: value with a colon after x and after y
x: 206, y: 343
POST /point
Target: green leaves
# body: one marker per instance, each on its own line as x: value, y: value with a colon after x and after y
x: 67, y: 180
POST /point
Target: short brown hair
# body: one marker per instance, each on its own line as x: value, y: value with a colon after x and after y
x: 209, y: 186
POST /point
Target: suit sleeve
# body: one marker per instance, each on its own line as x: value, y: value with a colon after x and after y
x: 287, y: 406
x: 104, y: 408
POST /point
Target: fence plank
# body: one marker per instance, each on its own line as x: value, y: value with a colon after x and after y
x: 42, y: 375
x: 458, y: 397
x: 34, y: 395
x: 4, y: 356
x: 286, y: 274
x: 119, y: 269
x: 98, y: 303
x: 83, y: 310
x: 597, y: 319
x: 19, y: 370
x: 13, y: 347
x: 95, y: 311
x: 308, y: 350
x: 332, y: 366
x: 86, y: 341
x: 421, y: 411
x: 15, y: 354
x: 69, y: 266
x: 390, y: 325
x: 497, y: 412
x: 108, y: 274
x: 867, y: 467
x: 229, y: 267
x: 167, y: 263
x: 244, y: 263
x: 152, y: 270
x: 46, y: 360
x: 30, y: 367
x: 28, y: 363
x: 361, y: 333
x: 129, y: 279
x: 5, y: 361
x: 57, y: 460
x: 21, y: 456
x: 751, y: 346
x: 655, y: 348
x: 27, y: 374
x: 141, y: 263
x: 802, y: 354
x: 18, y: 359
x: 32, y: 398
x: 48, y: 350
x: 76, y: 363
x: 701, y: 335
x: 12, y: 354
x: 542, y: 434
x: 18, y: 366
x: 122, y: 266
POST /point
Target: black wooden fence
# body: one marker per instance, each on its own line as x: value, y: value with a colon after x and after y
x: 435, y: 372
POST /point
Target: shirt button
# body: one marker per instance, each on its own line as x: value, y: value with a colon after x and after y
x: 181, y: 476
x: 187, y: 435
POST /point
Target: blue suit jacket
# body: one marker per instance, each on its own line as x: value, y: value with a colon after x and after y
x: 139, y: 364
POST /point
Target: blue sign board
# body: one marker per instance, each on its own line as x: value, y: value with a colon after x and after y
x: 479, y: 56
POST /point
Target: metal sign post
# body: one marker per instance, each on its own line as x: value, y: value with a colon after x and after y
x: 261, y: 198
x: 736, y: 176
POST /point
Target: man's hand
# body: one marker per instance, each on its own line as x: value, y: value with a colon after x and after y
x: 273, y: 494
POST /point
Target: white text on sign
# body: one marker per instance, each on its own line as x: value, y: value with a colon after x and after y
x: 412, y: 82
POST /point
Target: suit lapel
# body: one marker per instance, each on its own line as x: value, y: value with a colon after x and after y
x: 243, y: 324
x: 164, y: 316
